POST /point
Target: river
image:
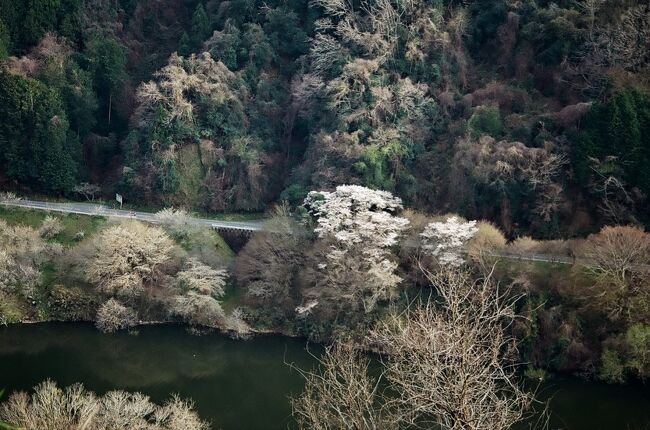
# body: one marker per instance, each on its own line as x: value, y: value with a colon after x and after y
x: 242, y: 384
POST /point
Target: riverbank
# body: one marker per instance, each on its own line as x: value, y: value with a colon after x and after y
x: 283, y: 282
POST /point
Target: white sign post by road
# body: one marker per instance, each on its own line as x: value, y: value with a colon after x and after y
x: 118, y: 197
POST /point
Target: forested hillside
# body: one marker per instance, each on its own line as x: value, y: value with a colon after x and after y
x: 452, y: 196
x: 532, y: 114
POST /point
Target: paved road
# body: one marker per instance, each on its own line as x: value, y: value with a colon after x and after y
x: 100, y: 210
x: 545, y: 258
x: 251, y: 226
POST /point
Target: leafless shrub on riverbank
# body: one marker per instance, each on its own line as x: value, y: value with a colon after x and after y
x: 199, y: 287
x: 75, y: 408
x: 198, y: 309
x: 113, y: 316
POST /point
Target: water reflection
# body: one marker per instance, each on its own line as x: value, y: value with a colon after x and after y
x: 227, y: 379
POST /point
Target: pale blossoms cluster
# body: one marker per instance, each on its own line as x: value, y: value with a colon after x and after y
x: 363, y: 225
x: 446, y: 240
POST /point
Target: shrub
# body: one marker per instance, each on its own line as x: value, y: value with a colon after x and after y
x: 486, y: 241
x: 50, y: 227
x: 524, y: 244
x: 113, y: 316
x: 22, y: 253
x: 198, y: 309
x: 175, y: 222
x: 75, y: 408
x: 486, y: 120
x: 201, y: 278
x: 611, y: 367
x: 638, y: 342
x: 71, y: 303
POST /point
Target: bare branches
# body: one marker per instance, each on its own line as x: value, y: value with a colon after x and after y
x: 202, y: 278
x: 200, y: 286
x: 499, y: 164
x: 617, y: 252
x: 89, y: 191
x: 23, y: 250
x: 178, y: 84
x: 618, y: 258
x: 453, y: 364
x: 75, y: 408
x: 623, y: 45
x: 325, y: 53
x: 615, y: 200
x: 373, y: 28
x: 343, y: 396
x: 448, y: 364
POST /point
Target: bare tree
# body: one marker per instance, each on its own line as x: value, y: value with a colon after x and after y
x: 87, y: 190
x: 500, y: 164
x: 620, y: 45
x: 269, y: 262
x: 202, y: 278
x: 618, y: 258
x: 448, y: 363
x: 453, y: 364
x: 180, y: 81
x: 342, y: 396
x: 590, y: 8
x: 617, y: 253
x: 199, y: 287
x: 616, y: 203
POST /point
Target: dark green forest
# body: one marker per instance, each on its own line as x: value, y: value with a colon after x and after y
x: 532, y: 114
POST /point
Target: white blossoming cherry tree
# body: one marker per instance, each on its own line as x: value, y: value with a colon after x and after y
x: 361, y: 226
x: 446, y: 241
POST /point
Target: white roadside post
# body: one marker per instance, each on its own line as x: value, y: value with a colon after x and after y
x: 118, y: 197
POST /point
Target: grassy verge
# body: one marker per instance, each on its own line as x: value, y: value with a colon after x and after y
x: 72, y: 224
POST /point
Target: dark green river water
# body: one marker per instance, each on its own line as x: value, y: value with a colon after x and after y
x: 241, y: 384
